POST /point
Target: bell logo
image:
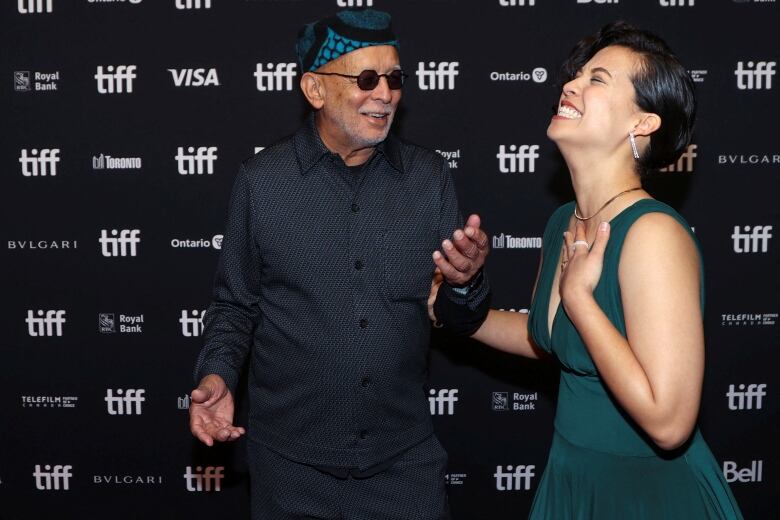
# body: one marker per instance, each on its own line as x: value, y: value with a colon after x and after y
x: 742, y: 399
x: 755, y: 473
x: 124, y: 404
x: 34, y: 6
x: 511, y: 3
x: 204, y: 479
x: 755, y: 76
x: 685, y: 162
x: 45, y: 323
x: 41, y: 162
x: 275, y: 76
x: 677, y: 3
x: 115, y: 82
x: 56, y: 478
x: 196, y: 160
x: 443, y: 401
x: 354, y: 3
x: 194, y: 77
x: 517, y: 480
x: 517, y: 158
x: 753, y: 240
x: 193, y: 4
x: 192, y: 324
x: 120, y: 243
x: 440, y: 76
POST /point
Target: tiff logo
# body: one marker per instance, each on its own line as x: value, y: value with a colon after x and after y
x: 598, y: 1
x: 34, y: 6
x: 122, y: 245
x: 445, y: 398
x: 440, y: 76
x: 118, y: 82
x: 755, y: 473
x: 193, y: 4
x: 123, y: 404
x: 274, y: 77
x: 749, y: 399
x: 195, y: 160
x: 517, y: 480
x: 756, y: 76
x: 204, y: 479
x: 47, y: 323
x: 194, y: 77
x: 41, y: 162
x: 518, y: 159
x: 57, y: 477
x: 354, y: 3
x: 192, y: 325
x: 685, y: 162
x: 521, y: 3
x: 677, y: 3
x: 748, y: 242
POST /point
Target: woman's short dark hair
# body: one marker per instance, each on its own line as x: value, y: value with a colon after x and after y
x: 661, y: 83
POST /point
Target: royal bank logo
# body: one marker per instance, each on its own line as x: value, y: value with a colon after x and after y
x: 39, y: 163
x: 275, y: 77
x: 516, y: 3
x: 126, y: 401
x: 455, y: 479
x: 749, y: 319
x: 746, y: 397
x: 183, y: 403
x: 452, y: 157
x: 25, y: 81
x: 517, y: 158
x: 42, y: 245
x: 207, y: 478
x: 753, y: 159
x: 191, y: 323
x: 127, y: 480
x: 755, y: 75
x: 354, y: 3
x: 193, y: 4
x: 128, y: 324
x: 699, y: 75
x: 201, y: 243
x: 198, y: 160
x: 49, y: 401
x: 45, y: 323
x: 685, y: 162
x: 753, y: 239
x: 48, y: 478
x: 677, y: 3
x: 442, y: 401
x: 504, y: 241
x: 437, y: 76
x: 195, y: 77
x: 22, y: 81
x: 120, y: 243
x: 34, y: 6
x: 108, y: 162
x: 115, y: 79
x: 520, y: 402
x: 517, y: 478
x: 753, y: 473
x: 538, y: 75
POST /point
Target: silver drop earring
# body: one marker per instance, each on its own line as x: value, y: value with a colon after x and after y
x: 632, y: 140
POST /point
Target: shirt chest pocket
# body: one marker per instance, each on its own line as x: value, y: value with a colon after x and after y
x: 407, y: 264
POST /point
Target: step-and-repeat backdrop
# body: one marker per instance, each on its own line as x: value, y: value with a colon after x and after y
x: 124, y: 122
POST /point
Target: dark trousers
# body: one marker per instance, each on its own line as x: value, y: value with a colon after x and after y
x: 412, y: 488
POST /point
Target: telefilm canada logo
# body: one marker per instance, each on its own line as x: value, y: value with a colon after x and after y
x: 520, y: 402
x: 747, y: 319
x: 49, y: 401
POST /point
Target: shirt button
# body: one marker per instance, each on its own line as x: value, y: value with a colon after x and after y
x: 363, y: 323
x: 358, y: 264
x: 355, y: 208
x: 363, y: 434
x: 365, y: 382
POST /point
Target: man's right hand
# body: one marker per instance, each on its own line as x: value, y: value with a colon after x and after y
x: 211, y: 412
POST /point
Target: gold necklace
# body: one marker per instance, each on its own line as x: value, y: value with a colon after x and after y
x: 583, y: 219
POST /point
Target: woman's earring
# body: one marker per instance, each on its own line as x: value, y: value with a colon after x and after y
x: 632, y: 140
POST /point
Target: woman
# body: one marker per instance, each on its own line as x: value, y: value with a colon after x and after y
x: 618, y: 298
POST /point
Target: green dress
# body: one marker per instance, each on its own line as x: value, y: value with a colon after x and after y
x: 601, y: 464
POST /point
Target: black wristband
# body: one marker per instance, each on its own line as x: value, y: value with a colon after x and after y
x: 463, y: 314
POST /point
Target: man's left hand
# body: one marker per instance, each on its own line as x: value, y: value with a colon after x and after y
x: 464, y: 255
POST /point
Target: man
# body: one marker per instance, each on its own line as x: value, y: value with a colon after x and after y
x: 325, y: 270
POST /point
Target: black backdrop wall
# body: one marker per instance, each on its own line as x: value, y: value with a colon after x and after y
x: 124, y: 123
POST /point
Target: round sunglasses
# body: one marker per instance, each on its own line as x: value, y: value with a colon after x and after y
x: 369, y: 79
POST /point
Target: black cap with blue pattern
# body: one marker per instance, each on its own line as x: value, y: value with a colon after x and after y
x: 325, y: 40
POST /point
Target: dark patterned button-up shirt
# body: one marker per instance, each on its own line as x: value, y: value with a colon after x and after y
x: 323, y: 287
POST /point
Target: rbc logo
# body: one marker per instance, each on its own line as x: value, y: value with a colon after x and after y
x: 685, y: 162
x: 41, y: 162
x: 119, y: 82
x: 748, y: 242
x: 34, y: 6
x: 192, y: 325
x: 445, y: 397
x: 194, y: 160
x: 194, y: 77
x: 746, y: 399
x: 440, y: 76
x: 517, y: 480
x: 47, y: 323
x: 517, y: 159
x: 123, y: 404
x: 275, y: 77
x: 193, y: 4
x: 56, y: 478
x: 756, y: 76
x: 204, y: 479
x: 122, y: 245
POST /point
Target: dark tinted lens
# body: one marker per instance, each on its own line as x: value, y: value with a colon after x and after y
x: 395, y: 79
x: 368, y: 80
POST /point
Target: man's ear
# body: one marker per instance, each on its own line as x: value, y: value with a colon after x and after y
x: 313, y: 89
